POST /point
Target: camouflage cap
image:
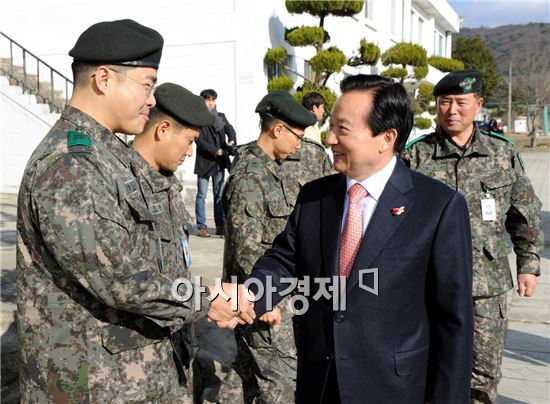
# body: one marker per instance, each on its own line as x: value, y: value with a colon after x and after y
x: 121, y: 42
x: 459, y: 82
x: 283, y: 106
x: 182, y: 105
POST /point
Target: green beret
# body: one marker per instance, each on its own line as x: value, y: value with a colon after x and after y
x: 122, y: 42
x: 182, y: 105
x: 459, y: 82
x: 283, y: 106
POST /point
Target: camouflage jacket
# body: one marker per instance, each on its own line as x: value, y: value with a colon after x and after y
x: 256, y: 209
x: 308, y: 163
x: 95, y: 310
x: 162, y: 194
x: 488, y: 168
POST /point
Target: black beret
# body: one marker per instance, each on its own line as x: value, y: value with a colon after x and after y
x: 121, y: 42
x: 283, y: 106
x: 459, y: 82
x: 182, y: 105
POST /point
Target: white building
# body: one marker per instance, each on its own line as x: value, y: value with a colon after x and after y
x: 216, y: 44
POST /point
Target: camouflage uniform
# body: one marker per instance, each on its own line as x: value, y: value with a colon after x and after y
x: 488, y: 167
x: 95, y: 308
x: 256, y: 209
x: 313, y: 162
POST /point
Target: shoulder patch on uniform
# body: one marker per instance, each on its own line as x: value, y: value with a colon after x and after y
x: 499, y: 136
x: 416, y: 140
x: 76, y: 138
x: 253, y: 167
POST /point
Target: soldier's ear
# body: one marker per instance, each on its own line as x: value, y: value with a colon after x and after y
x: 100, y: 78
x: 163, y: 127
x: 277, y: 129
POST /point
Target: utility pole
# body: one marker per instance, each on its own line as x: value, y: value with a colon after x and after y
x: 510, y: 98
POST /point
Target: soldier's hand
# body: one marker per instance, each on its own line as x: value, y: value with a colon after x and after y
x: 272, y: 317
x: 527, y: 283
x: 221, y: 310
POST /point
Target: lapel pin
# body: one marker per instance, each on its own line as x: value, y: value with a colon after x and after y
x: 397, y: 211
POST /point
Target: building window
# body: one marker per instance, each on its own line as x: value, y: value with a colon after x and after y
x: 369, y: 10
x: 396, y: 18
x: 308, y: 72
x: 420, y: 29
x: 278, y: 69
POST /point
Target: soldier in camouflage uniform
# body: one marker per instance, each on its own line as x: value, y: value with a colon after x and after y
x: 166, y: 141
x: 307, y: 164
x: 311, y: 161
x: 95, y: 308
x: 257, y: 206
x: 486, y: 168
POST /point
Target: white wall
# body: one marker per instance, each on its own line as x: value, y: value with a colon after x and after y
x: 216, y: 44
x: 22, y: 123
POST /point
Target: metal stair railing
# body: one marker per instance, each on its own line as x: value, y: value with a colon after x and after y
x: 30, y: 83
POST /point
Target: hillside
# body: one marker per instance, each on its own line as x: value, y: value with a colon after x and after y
x: 521, y: 43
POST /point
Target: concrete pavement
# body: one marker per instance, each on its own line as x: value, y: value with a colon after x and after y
x: 526, y: 363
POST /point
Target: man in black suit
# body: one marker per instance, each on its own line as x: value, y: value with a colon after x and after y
x: 211, y: 161
x: 401, y: 249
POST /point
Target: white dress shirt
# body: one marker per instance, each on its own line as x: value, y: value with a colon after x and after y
x: 374, y: 185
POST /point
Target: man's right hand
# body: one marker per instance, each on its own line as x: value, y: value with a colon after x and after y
x: 272, y: 317
x: 221, y: 311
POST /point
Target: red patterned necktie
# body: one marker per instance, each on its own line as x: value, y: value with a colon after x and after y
x: 353, y: 229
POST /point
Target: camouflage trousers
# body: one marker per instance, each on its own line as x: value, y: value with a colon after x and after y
x: 264, y: 370
x: 490, y: 323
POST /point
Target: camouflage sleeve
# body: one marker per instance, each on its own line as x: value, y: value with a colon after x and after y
x: 327, y: 165
x: 243, y: 201
x: 87, y: 234
x: 407, y: 156
x: 522, y: 222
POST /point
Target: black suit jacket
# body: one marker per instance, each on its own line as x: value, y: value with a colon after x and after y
x: 410, y: 342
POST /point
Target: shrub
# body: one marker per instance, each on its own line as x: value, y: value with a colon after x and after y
x: 422, y: 123
x: 275, y: 55
x: 420, y: 72
x: 303, y: 36
x: 283, y: 83
x: 397, y: 72
x: 446, y: 64
x: 329, y: 60
x: 324, y: 8
x: 405, y: 54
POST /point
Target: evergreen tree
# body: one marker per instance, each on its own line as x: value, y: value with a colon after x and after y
x: 474, y: 54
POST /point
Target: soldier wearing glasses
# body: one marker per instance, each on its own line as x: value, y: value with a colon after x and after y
x: 95, y: 307
x: 256, y: 207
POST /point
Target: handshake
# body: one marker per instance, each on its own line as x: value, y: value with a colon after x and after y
x: 238, y: 308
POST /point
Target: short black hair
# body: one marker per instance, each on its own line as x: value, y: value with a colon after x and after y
x: 313, y: 98
x: 391, y: 107
x: 209, y: 93
x: 157, y: 114
x: 267, y: 121
x: 82, y: 71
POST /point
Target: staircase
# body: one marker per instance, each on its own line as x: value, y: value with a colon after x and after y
x: 32, y: 95
x: 33, y: 75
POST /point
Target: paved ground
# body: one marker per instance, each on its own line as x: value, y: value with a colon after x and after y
x: 526, y: 366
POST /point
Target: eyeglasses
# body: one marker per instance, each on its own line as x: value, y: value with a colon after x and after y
x: 298, y: 137
x: 149, y: 88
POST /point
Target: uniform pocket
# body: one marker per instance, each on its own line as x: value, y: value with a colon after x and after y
x: 496, y: 248
x: 117, y: 339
